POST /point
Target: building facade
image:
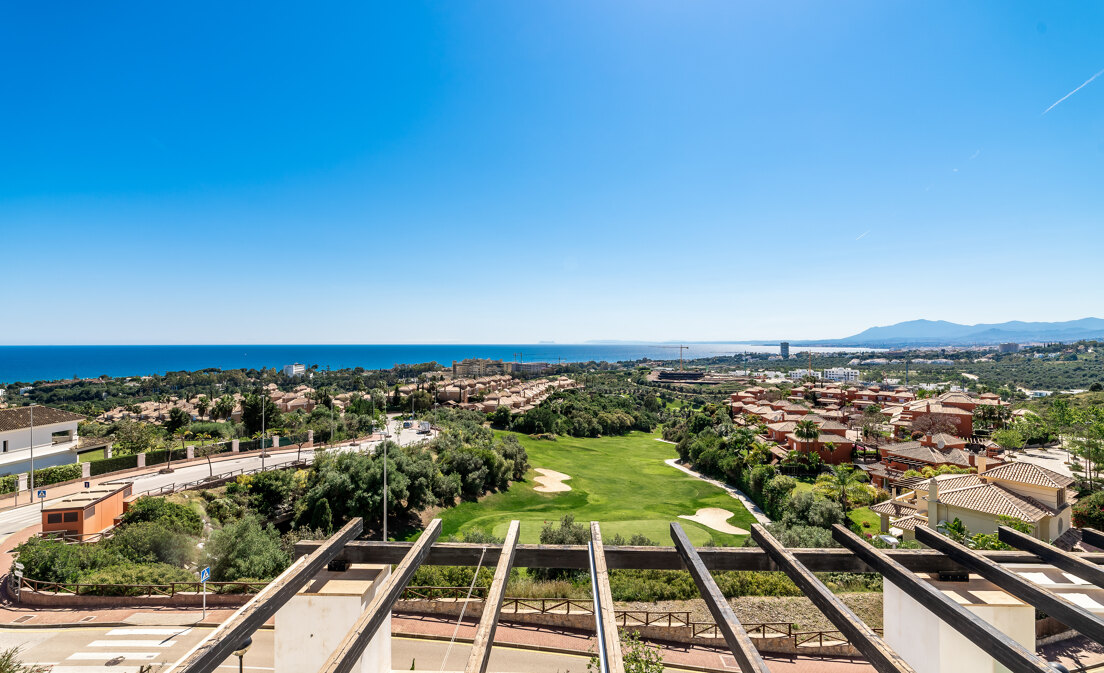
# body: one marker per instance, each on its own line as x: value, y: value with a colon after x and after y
x: 841, y: 374
x: 50, y: 434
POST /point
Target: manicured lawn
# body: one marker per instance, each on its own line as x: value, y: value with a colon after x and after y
x: 621, y: 482
x: 863, y: 514
x: 95, y: 454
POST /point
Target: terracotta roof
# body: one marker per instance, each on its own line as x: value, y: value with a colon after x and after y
x: 947, y: 439
x: 19, y: 418
x: 1029, y: 473
x: 832, y: 425
x: 892, y: 508
x: 909, y: 522
x: 824, y: 438
x: 932, y: 455
x: 996, y: 499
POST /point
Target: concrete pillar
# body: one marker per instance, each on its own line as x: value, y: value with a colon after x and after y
x: 22, y: 486
x: 275, y: 441
x: 189, y: 452
x: 311, y: 625
x: 930, y: 645
x: 107, y: 451
x: 141, y: 460
x: 86, y: 470
x: 310, y: 437
x: 234, y: 446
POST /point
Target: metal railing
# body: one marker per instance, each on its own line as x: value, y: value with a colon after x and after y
x: 222, y: 476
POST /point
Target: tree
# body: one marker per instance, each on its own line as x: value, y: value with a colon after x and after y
x: 244, y: 549
x: 421, y: 401
x: 807, y: 431
x: 845, y: 484
x: 258, y: 410
x: 224, y: 407
x: 1009, y: 438
x: 933, y: 424
x: 178, y: 418
x: 203, y: 404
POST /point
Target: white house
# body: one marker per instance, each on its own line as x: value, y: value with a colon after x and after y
x: 841, y: 374
x: 54, y: 438
x: 294, y: 370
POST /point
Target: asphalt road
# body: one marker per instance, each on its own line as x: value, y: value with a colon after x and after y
x: 18, y: 518
x: 125, y: 649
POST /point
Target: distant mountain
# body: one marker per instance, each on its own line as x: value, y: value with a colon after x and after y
x: 943, y: 333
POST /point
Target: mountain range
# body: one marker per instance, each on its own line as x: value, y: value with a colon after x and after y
x: 942, y: 333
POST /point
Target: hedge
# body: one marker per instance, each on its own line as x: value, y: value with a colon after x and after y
x: 8, y: 482
x: 56, y: 474
x: 158, y: 457
x: 115, y: 464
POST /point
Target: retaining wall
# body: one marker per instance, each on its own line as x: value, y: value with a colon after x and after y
x: 191, y: 600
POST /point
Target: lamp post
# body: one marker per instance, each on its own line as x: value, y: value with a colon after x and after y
x: 264, y: 401
x: 31, y: 410
x: 240, y: 653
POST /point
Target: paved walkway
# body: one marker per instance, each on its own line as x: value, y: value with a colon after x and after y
x: 758, y: 513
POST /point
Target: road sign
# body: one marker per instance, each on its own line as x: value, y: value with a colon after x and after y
x: 18, y: 565
x: 18, y: 574
x: 42, y: 494
x: 87, y: 484
x: 205, y: 574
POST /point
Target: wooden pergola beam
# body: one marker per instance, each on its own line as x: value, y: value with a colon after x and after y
x: 574, y: 557
x: 1069, y: 614
x: 209, y: 654
x: 356, y: 640
x: 609, y: 642
x: 739, y: 642
x: 1007, y: 651
x: 484, y: 636
x: 1093, y: 537
x: 881, y: 656
x: 1052, y: 555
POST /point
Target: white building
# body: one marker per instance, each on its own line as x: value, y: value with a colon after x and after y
x: 295, y: 370
x: 54, y: 438
x: 841, y: 374
x: 802, y: 373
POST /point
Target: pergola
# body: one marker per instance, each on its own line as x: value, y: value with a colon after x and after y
x: 899, y: 566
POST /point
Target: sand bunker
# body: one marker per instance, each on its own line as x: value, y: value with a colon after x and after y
x: 552, y: 481
x: 715, y: 518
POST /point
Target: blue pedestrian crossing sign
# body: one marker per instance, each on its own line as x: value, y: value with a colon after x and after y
x: 42, y: 494
x: 205, y: 574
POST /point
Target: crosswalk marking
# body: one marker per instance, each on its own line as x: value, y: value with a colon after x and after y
x: 183, y: 631
x: 131, y: 643
x: 99, y: 656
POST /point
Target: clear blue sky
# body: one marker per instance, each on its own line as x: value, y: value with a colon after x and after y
x: 520, y: 171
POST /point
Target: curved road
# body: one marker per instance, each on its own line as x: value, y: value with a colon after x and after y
x: 17, y: 518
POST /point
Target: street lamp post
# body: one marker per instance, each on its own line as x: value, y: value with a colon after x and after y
x: 264, y: 401
x: 240, y: 653
x: 31, y: 410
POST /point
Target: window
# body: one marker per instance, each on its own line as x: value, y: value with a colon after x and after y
x: 5, y: 446
x: 70, y: 517
x: 53, y: 518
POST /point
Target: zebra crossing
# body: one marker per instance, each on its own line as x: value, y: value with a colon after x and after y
x: 123, y: 650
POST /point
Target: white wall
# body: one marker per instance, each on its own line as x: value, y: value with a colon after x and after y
x: 20, y: 440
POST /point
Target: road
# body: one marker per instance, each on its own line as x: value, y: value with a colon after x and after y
x: 18, y: 518
x: 125, y: 649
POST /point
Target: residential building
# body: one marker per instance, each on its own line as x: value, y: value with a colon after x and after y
x: 88, y: 512
x: 479, y: 367
x: 529, y: 367
x: 784, y: 350
x: 1020, y: 490
x: 54, y: 440
x: 841, y: 374
x: 1009, y: 348
x: 295, y: 370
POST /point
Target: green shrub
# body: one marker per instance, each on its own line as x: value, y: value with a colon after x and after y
x: 8, y: 483
x: 50, y: 560
x: 246, y: 549
x: 270, y: 491
x: 153, y: 542
x: 133, y: 574
x: 1089, y: 511
x: 170, y: 515
x: 56, y: 474
x: 159, y: 457
x: 113, y: 464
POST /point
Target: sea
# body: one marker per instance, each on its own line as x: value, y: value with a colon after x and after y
x: 46, y: 363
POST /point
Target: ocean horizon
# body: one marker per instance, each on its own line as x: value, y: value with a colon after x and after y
x: 44, y: 363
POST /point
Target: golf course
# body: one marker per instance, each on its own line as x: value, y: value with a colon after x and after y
x: 619, y: 481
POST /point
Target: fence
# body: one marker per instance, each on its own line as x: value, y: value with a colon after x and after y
x: 139, y: 590
x: 631, y: 618
x: 219, y: 478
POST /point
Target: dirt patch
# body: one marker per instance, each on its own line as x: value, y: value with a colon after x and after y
x: 789, y: 609
x: 551, y: 481
x: 715, y: 518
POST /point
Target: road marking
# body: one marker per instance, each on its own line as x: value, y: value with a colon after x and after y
x: 94, y: 669
x: 131, y: 643
x: 149, y: 632
x: 97, y: 656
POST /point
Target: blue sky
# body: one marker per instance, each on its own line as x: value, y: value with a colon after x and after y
x: 512, y: 172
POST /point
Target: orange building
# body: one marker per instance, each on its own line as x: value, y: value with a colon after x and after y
x: 88, y: 512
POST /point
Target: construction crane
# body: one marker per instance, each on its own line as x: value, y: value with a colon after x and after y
x: 681, y: 349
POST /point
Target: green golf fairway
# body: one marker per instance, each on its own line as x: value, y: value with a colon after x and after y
x: 621, y: 482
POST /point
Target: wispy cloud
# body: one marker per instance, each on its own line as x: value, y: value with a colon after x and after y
x: 976, y: 154
x: 1055, y: 104
x: 862, y: 234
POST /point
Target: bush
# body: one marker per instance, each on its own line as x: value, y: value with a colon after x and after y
x: 246, y: 549
x: 1089, y: 511
x: 8, y: 483
x: 159, y: 457
x: 133, y: 574
x: 51, y: 560
x: 170, y: 515
x: 153, y: 542
x: 56, y: 474
x: 269, y: 491
x: 115, y: 464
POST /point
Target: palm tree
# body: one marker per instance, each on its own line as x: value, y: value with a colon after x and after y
x: 844, y: 484
x: 202, y: 405
x: 807, y: 431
